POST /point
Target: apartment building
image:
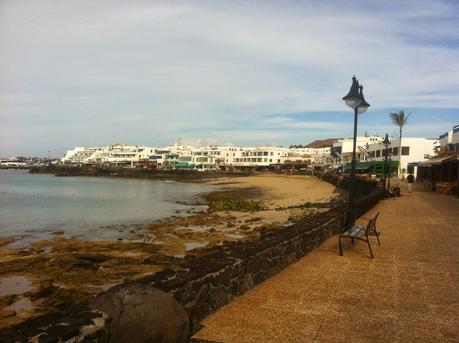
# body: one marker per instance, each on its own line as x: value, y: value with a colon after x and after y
x: 413, y: 150
x: 450, y: 140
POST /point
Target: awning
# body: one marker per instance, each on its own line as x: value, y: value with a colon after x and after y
x: 184, y: 165
x: 360, y: 166
x: 437, y: 161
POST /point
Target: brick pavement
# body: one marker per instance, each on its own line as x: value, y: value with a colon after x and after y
x: 408, y: 293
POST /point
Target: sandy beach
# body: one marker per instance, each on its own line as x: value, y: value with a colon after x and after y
x: 50, y: 273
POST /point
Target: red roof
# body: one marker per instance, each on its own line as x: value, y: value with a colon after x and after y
x: 322, y: 143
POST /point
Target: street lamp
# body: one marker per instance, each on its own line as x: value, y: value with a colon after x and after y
x: 386, y: 143
x: 355, y: 100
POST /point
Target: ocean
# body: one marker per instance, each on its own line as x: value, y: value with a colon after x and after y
x: 34, y: 206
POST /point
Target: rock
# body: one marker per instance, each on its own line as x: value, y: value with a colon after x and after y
x: 93, y: 258
x: 142, y: 313
x: 6, y: 314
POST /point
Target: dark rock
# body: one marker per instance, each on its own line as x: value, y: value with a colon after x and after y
x: 93, y: 258
x: 142, y: 313
x: 75, y: 323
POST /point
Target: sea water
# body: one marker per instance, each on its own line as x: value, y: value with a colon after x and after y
x: 34, y: 206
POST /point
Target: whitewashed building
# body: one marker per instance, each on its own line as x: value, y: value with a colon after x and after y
x: 413, y: 150
x: 117, y: 154
x: 207, y: 157
x: 342, y: 148
x: 78, y: 155
x: 450, y: 140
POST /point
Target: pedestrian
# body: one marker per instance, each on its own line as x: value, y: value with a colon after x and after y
x: 410, y: 179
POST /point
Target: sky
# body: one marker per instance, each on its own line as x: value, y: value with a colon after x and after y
x: 91, y: 73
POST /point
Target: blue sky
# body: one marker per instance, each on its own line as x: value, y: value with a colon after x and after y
x: 84, y: 73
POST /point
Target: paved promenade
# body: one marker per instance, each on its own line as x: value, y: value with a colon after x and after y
x: 408, y: 293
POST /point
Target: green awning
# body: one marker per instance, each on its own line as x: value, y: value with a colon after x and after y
x: 184, y: 165
x: 375, y: 166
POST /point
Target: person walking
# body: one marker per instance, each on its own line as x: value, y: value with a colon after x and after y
x: 410, y: 179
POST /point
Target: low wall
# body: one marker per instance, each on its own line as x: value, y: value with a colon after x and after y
x: 213, y: 279
x: 366, y: 191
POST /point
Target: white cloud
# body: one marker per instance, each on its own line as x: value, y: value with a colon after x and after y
x: 164, y: 69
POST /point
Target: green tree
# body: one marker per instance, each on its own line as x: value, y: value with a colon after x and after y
x: 400, y: 119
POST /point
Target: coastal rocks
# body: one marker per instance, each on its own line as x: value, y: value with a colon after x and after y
x: 142, y: 313
x: 76, y: 323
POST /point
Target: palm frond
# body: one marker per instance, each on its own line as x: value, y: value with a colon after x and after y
x: 395, y: 118
x: 405, y: 118
x: 399, y: 119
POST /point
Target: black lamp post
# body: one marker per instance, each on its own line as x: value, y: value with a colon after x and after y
x: 390, y: 168
x: 355, y: 100
x: 386, y: 143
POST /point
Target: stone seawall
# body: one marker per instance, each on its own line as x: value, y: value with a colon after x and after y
x: 200, y: 285
x: 215, y: 278
x: 367, y: 192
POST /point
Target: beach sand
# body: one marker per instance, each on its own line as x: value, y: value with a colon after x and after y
x: 63, y: 270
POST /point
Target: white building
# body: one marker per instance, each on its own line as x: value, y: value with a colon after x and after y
x: 450, y: 140
x: 258, y: 156
x: 78, y: 155
x: 413, y: 150
x: 212, y: 157
x: 342, y: 148
x: 117, y: 154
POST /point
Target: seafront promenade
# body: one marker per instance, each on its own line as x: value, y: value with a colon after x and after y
x: 408, y: 293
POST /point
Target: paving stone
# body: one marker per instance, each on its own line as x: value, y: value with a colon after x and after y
x: 408, y: 293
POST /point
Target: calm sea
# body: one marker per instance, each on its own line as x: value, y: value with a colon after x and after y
x: 35, y: 205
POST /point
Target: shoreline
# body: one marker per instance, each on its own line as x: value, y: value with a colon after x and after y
x: 61, y: 270
x: 135, y: 173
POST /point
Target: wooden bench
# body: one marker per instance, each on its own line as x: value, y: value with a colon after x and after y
x: 361, y: 233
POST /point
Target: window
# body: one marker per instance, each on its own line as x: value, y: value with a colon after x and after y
x: 378, y: 153
x: 271, y: 153
x: 270, y: 160
x: 372, y: 154
x: 395, y: 151
x: 405, y: 150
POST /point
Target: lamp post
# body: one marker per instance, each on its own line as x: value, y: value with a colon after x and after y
x: 386, y: 143
x: 355, y: 100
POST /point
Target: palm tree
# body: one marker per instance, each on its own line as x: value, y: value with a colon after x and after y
x: 400, y: 120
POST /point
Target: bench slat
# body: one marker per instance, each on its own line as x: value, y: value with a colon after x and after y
x: 353, y: 232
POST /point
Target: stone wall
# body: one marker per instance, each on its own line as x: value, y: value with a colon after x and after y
x: 366, y: 191
x: 214, y: 278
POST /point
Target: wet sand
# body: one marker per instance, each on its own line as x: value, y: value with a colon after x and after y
x: 64, y: 270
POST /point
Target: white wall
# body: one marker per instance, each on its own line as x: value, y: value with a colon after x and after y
x: 419, y: 148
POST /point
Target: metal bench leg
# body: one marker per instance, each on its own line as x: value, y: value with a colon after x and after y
x: 340, y: 248
x: 376, y: 232
x: 377, y: 236
x: 369, y: 247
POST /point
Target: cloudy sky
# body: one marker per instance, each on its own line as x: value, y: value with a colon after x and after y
x: 83, y: 73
